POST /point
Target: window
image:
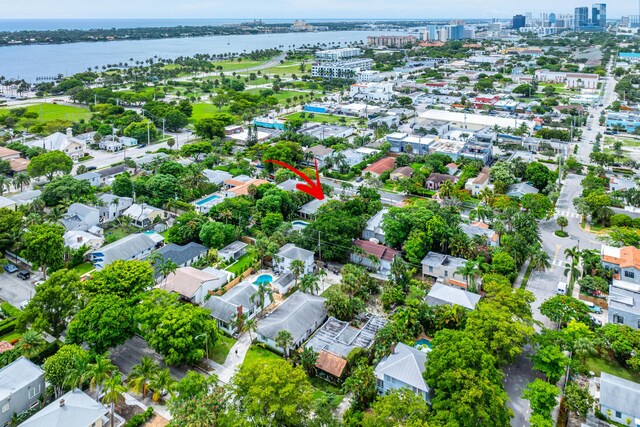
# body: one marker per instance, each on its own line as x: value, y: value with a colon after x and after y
x: 446, y: 273
x: 629, y: 274
x: 379, y: 383
x: 34, y: 404
x: 33, y: 391
x: 618, y: 319
x: 5, y: 408
x: 430, y: 269
x: 618, y: 414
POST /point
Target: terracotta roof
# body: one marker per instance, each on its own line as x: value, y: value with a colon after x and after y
x: 439, y: 178
x: 481, y: 178
x: 5, y: 346
x: 381, y: 165
x: 458, y: 283
x: 479, y: 224
x: 404, y: 171
x: 629, y: 257
x: 233, y: 182
x: 19, y: 164
x: 5, y: 152
x: 331, y: 364
x: 243, y: 188
x: 376, y: 249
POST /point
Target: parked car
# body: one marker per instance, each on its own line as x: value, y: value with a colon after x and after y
x: 596, y: 321
x: 92, y: 168
x: 24, y: 274
x: 142, y: 145
x: 10, y: 268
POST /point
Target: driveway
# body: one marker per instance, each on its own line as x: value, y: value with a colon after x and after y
x: 133, y: 350
x: 15, y: 290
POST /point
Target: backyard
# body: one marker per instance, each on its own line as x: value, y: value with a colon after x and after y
x: 598, y: 365
x: 243, y: 263
x: 221, y: 350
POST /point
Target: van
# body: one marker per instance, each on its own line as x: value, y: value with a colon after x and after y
x: 592, y: 307
x: 562, y: 288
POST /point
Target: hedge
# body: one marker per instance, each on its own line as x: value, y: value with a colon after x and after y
x: 9, y: 310
x: 139, y: 419
x: 8, y: 327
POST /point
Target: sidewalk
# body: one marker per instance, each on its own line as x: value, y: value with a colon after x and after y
x: 234, y: 359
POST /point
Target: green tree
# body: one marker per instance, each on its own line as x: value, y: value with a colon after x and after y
x: 30, y: 344
x: 125, y: 279
x: 141, y: 374
x: 578, y: 399
x: 107, y: 321
x: 99, y: 372
x: 49, y: 163
x: 271, y: 392
x: 400, y: 407
x: 44, y: 246
x: 57, y: 367
x: 113, y: 394
x: 284, y: 340
x: 542, y: 397
x: 503, y: 264
x: 55, y: 301
x: 217, y: 235
x: 67, y: 189
x: 561, y: 309
x: 362, y: 385
x: 162, y: 382
x: 202, y: 410
x: 562, y: 222
x: 551, y: 361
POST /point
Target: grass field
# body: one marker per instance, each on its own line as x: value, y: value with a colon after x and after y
x: 323, y: 389
x: 202, y: 110
x: 221, y: 350
x: 47, y: 112
x: 235, y: 65
x: 282, y: 95
x: 83, y: 268
x: 325, y: 118
x: 598, y: 365
x: 288, y: 67
x: 243, y: 263
x: 256, y: 354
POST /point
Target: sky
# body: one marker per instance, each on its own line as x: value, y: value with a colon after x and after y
x: 286, y: 9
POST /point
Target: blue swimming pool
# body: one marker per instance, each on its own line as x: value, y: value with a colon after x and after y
x: 423, y: 345
x: 263, y: 278
x: 300, y: 223
x: 206, y: 200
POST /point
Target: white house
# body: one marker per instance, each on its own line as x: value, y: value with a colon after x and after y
x: 289, y: 253
x: 403, y: 368
x: 621, y: 398
x: 113, y: 206
x: 240, y: 300
x: 193, y: 284
x: 80, y: 217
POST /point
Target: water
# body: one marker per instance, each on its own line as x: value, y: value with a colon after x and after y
x: 300, y: 223
x: 207, y: 200
x: 263, y: 278
x: 32, y: 61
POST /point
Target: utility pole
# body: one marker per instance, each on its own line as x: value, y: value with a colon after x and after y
x: 148, y: 132
x: 163, y: 121
x: 319, y: 248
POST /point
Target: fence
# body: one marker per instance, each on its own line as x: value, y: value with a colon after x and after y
x: 600, y: 302
x: 232, y: 283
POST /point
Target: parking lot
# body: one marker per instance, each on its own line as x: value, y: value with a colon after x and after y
x: 15, y: 290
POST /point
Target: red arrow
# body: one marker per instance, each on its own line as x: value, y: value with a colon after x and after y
x: 313, y: 189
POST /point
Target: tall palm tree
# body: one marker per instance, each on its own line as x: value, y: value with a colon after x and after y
x: 309, y: 284
x: 55, y: 214
x: 446, y: 189
x: 113, y: 393
x: 167, y: 267
x: 264, y: 290
x: 31, y: 343
x: 78, y: 373
x: 99, y: 371
x: 5, y: 184
x: 141, y: 374
x: 469, y: 271
x: 284, y: 340
x: 297, y: 267
x: 321, y: 274
x: 249, y: 326
x: 573, y: 254
x: 20, y: 180
x: 161, y: 383
x: 540, y: 260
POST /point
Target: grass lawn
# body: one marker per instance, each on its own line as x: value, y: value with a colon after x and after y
x: 235, y: 65
x: 220, y: 351
x: 48, y: 112
x: 243, y: 263
x: 282, y: 95
x: 325, y: 118
x: 118, y: 232
x: 598, y: 365
x: 11, y: 337
x: 289, y: 67
x: 321, y: 388
x: 202, y: 110
x: 83, y: 268
x: 256, y: 354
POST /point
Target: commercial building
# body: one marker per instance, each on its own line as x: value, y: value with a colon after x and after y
x: 472, y: 122
x: 338, y: 54
x: 599, y: 15
x: 390, y: 41
x: 372, y: 91
x: 519, y: 21
x: 347, y: 69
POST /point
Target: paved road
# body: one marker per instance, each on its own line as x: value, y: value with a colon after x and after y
x: 385, y: 196
x: 15, y: 290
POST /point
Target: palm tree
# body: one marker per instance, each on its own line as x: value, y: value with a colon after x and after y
x: 20, y: 180
x: 77, y: 375
x: 249, y: 326
x: 573, y: 254
x: 114, y: 393
x: 5, y: 183
x: 446, y: 189
x: 297, y: 267
x: 309, y: 284
x: 540, y: 260
x: 55, y: 214
x: 141, y: 374
x: 284, y: 340
x: 321, y: 274
x: 469, y: 271
x: 161, y: 383
x: 263, y: 291
x: 167, y: 267
x: 31, y: 343
x: 99, y: 372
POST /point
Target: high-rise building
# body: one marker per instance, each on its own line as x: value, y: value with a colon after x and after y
x: 519, y: 21
x: 599, y: 15
x: 552, y: 19
x: 455, y: 32
x: 580, y: 17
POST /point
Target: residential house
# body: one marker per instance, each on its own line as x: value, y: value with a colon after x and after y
x: 240, y: 300
x: 75, y: 239
x: 368, y: 251
x: 403, y: 368
x: 241, y: 188
x: 25, y: 197
x: 107, y: 175
x: 290, y: 184
x: 378, y: 168
x: 134, y: 246
x: 73, y: 147
x: 624, y: 303
x: 192, y: 284
x: 8, y: 203
x: 479, y: 183
x: 116, y: 143
x: 321, y: 154
x: 144, y: 215
x: 232, y: 251
x: 441, y: 294
x: 21, y: 385
x: 300, y: 314
x: 490, y: 237
x: 289, y: 253
x: 73, y: 409
x: 310, y: 210
x: 336, y: 339
x: 18, y: 165
x: 620, y: 398
x: 150, y: 158
x: 92, y: 177
x: 452, y: 168
x: 402, y: 172
x: 181, y: 255
x: 625, y: 262
x: 373, y: 229
x: 80, y: 217
x: 113, y: 206
x: 7, y: 154
x: 520, y: 189
x: 284, y: 283
x: 435, y: 180
x: 216, y: 177
x: 441, y: 266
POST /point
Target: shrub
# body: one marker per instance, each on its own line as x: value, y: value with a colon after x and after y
x: 139, y: 419
x: 9, y: 310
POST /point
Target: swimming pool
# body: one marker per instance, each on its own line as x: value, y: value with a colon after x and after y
x: 206, y: 200
x: 299, y: 223
x: 423, y: 345
x: 263, y: 278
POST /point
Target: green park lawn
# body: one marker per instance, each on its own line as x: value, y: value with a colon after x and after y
x: 287, y: 68
x: 235, y: 65
x: 257, y: 354
x: 324, y: 118
x: 49, y: 112
x: 282, y: 95
x: 203, y: 110
x: 221, y: 350
x: 598, y: 365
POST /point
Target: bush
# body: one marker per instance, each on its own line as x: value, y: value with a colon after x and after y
x: 139, y: 419
x: 561, y: 233
x: 8, y: 327
x: 9, y: 310
x: 621, y: 220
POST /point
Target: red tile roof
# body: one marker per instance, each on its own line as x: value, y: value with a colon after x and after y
x: 381, y: 165
x: 331, y: 364
x: 5, y: 346
x: 376, y: 249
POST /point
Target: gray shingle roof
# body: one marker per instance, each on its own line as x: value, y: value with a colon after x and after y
x: 441, y: 294
x: 116, y: 170
x: 312, y: 207
x: 16, y: 375
x: 232, y: 248
x: 78, y: 410
x: 125, y: 248
x: 620, y: 394
x: 297, y: 314
x: 181, y: 254
x: 292, y: 252
x: 225, y: 307
x: 436, y: 259
x: 406, y: 364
